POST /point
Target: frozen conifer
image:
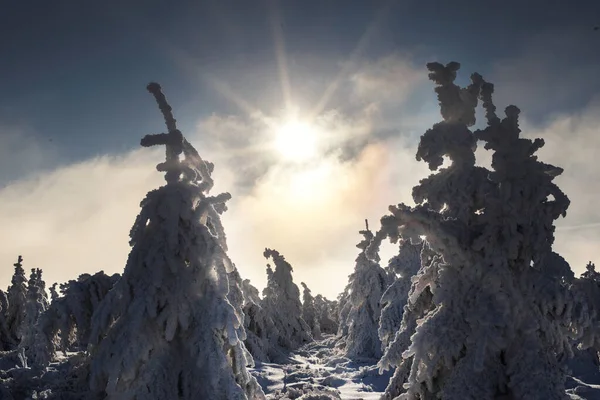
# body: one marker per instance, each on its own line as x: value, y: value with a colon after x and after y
x: 499, y: 322
x: 402, y: 267
x: 367, y: 284
x: 167, y: 329
x: 327, y: 314
x: 34, y: 307
x: 5, y: 339
x: 17, y: 300
x: 53, y: 292
x: 66, y: 324
x: 281, y: 300
x: 309, y: 312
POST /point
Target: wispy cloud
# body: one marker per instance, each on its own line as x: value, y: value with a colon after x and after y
x: 76, y: 218
x: 573, y: 142
x: 22, y: 153
x: 553, y: 72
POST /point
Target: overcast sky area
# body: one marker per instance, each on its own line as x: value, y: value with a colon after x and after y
x: 74, y: 108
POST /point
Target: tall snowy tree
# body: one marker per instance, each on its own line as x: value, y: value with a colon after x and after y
x: 41, y: 284
x: 327, y: 314
x: 366, y: 286
x: 281, y: 300
x: 5, y: 339
x: 17, y: 301
x: 403, y: 267
x: 309, y: 312
x: 262, y: 336
x: 500, y: 320
x: 167, y: 329
x: 34, y: 307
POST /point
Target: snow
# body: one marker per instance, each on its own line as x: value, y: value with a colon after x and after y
x: 318, y: 368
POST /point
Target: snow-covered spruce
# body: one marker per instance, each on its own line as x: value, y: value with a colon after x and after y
x: 418, y: 303
x: 343, y: 310
x: 366, y: 286
x: 492, y: 330
x: 36, y: 304
x: 402, y: 267
x: 327, y: 314
x: 261, y: 333
x: 281, y: 301
x: 309, y: 312
x: 66, y: 324
x: 167, y: 329
x: 17, y: 300
x: 5, y: 339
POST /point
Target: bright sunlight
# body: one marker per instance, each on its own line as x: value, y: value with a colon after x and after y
x: 296, y: 140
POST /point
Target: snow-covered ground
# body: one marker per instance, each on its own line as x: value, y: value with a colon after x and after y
x: 316, y: 371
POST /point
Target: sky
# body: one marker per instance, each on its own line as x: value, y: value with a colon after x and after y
x: 352, y: 76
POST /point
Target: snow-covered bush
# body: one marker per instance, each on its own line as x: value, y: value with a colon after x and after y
x: 492, y: 329
x: 309, y: 312
x: 281, y: 300
x: 167, y: 328
x: 366, y: 286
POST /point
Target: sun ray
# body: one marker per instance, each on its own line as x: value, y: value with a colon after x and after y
x: 354, y: 55
x: 280, y: 53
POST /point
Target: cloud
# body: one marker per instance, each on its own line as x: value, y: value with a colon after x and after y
x: 553, y: 72
x: 76, y: 218
x: 390, y: 79
x: 23, y: 154
x: 313, y: 216
x: 572, y: 143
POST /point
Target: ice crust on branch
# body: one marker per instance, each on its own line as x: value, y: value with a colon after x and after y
x: 168, y: 329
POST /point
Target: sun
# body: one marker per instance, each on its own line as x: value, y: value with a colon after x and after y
x: 296, y: 140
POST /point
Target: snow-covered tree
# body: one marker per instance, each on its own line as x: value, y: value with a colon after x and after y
x: 53, y: 292
x: 500, y: 318
x: 66, y: 324
x: 309, y: 312
x: 344, y: 306
x: 34, y: 307
x: 41, y: 284
x: 167, y: 329
x: 251, y: 293
x: 366, y: 286
x: 17, y: 301
x: 418, y: 303
x: 5, y: 339
x: 281, y: 300
x: 403, y: 267
x: 327, y: 314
